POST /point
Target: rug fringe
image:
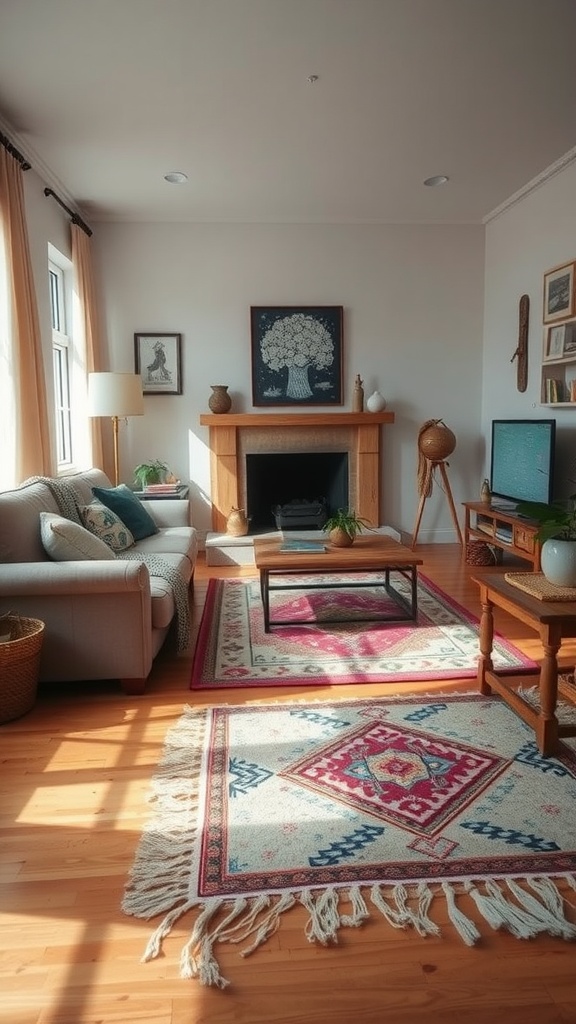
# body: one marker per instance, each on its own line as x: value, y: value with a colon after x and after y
x: 501, y: 903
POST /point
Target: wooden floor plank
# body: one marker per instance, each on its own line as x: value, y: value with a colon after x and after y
x: 73, y: 802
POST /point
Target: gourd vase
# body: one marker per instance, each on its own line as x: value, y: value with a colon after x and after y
x: 376, y: 402
x: 219, y: 400
x: 558, y: 561
x: 485, y: 494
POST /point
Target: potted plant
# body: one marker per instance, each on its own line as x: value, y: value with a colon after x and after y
x: 150, y: 473
x: 557, y: 532
x: 343, y: 526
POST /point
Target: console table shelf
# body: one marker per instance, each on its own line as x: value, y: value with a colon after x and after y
x: 503, y: 530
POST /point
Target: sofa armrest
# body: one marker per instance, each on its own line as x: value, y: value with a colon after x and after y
x: 98, y: 616
x: 51, y: 578
x: 169, y: 511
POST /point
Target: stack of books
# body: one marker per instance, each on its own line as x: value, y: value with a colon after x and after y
x: 162, y: 488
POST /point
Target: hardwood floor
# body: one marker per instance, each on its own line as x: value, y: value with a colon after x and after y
x: 75, y: 776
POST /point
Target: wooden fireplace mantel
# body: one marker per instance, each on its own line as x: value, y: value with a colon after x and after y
x: 225, y: 473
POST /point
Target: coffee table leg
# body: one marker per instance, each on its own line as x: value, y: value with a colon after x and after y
x: 265, y: 595
x: 486, y: 641
x: 547, y: 724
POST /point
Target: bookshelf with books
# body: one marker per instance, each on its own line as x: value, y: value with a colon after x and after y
x: 558, y: 379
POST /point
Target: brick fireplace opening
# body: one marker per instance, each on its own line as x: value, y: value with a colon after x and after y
x: 233, y: 436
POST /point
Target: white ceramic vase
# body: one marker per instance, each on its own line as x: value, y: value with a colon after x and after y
x: 558, y: 561
x: 376, y: 402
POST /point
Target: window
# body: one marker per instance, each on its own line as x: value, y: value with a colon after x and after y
x: 61, y: 360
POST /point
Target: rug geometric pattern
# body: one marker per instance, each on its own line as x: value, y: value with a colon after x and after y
x: 395, y: 800
x: 234, y: 651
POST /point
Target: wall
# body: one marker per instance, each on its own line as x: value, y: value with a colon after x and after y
x: 525, y: 241
x: 413, y: 303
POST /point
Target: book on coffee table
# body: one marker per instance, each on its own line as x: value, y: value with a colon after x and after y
x: 310, y: 546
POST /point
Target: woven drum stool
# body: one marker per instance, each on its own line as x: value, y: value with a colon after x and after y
x: 19, y: 665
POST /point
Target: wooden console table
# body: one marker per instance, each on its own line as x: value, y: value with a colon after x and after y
x: 553, y: 621
x: 503, y: 530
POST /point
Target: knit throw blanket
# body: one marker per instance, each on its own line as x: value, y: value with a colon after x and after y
x: 68, y: 501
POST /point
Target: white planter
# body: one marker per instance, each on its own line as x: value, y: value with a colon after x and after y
x: 558, y: 560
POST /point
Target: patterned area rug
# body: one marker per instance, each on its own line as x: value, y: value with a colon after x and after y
x: 351, y: 808
x: 233, y: 650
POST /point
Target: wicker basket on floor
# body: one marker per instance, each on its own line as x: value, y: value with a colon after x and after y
x: 19, y: 665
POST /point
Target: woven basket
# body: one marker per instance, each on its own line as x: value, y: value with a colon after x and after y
x: 479, y: 553
x: 19, y: 665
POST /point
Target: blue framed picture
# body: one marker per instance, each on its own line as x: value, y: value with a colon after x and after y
x: 296, y: 355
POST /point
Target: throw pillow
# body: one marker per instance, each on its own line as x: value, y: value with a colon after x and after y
x: 105, y: 524
x: 125, y: 504
x: 66, y: 541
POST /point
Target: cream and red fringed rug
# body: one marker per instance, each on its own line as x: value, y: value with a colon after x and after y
x: 234, y: 651
x: 355, y: 808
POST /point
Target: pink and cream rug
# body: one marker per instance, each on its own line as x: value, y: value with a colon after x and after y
x: 353, y: 809
x: 234, y: 651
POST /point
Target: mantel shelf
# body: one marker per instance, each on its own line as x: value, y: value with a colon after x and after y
x: 298, y: 419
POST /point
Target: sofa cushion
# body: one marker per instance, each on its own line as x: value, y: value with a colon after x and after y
x: 125, y: 504
x: 65, y: 541
x: 20, y: 510
x: 105, y: 524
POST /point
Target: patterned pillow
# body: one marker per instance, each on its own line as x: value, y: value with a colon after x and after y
x: 66, y: 541
x: 105, y: 524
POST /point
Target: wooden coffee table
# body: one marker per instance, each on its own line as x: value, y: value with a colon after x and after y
x: 379, y: 555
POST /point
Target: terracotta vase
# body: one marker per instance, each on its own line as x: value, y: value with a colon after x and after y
x: 219, y: 400
x: 237, y: 523
x: 339, y: 538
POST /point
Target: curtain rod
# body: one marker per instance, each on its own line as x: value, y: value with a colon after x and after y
x: 75, y: 218
x: 4, y: 141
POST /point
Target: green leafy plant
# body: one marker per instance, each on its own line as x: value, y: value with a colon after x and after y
x: 556, y: 520
x: 347, y: 520
x: 150, y: 473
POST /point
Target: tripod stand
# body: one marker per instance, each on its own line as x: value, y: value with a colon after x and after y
x: 431, y: 465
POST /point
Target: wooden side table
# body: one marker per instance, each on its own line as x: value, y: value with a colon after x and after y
x: 553, y: 621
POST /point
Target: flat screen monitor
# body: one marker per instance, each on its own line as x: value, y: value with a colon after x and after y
x: 522, y: 460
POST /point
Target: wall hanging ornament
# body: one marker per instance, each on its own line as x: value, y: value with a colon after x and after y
x: 521, y: 353
x: 219, y: 401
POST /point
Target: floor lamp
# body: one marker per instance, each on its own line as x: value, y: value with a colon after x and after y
x: 116, y: 395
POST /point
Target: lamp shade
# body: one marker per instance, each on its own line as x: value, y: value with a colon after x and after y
x: 115, y: 394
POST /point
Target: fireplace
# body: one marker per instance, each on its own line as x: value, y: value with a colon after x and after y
x: 234, y: 436
x: 295, y: 490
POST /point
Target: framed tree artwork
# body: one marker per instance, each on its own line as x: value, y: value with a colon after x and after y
x: 296, y: 355
x: 158, y: 360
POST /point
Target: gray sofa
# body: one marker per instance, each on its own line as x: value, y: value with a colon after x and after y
x: 104, y: 619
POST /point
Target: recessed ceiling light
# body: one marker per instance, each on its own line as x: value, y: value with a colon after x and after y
x: 436, y: 179
x: 176, y: 177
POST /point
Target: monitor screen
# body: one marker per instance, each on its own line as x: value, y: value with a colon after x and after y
x: 522, y: 460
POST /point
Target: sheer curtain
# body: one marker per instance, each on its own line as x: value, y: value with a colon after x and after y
x: 88, y: 323
x: 24, y: 420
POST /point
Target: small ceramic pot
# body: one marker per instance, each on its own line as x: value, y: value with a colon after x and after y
x: 376, y: 402
x: 339, y: 538
x: 219, y: 400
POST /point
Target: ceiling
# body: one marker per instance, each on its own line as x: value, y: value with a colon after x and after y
x: 107, y: 96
